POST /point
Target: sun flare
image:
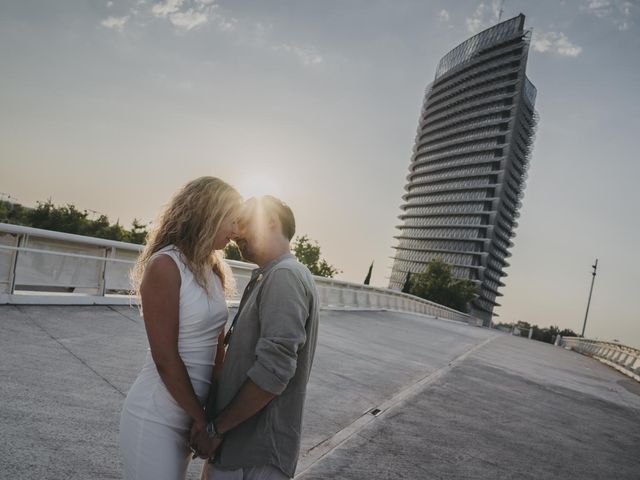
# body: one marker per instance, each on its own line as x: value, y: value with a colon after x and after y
x: 257, y: 186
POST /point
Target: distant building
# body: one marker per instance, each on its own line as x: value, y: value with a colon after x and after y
x: 471, y: 155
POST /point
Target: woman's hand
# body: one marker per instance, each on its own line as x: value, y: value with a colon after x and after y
x: 200, y: 440
x: 196, y: 431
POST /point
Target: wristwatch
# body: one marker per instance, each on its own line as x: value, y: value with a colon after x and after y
x: 211, y: 430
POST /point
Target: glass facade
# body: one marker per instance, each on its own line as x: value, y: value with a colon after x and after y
x: 468, y: 169
x: 488, y: 38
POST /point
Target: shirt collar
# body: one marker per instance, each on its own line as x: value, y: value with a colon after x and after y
x: 264, y: 270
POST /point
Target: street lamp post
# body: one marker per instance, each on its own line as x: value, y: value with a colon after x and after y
x: 593, y: 278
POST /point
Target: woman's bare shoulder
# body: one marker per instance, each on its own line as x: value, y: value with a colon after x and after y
x: 161, y: 268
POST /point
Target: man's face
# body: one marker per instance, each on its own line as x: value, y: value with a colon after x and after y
x: 243, y: 240
x: 249, y: 238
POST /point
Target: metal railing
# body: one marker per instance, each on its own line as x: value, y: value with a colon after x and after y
x: 44, y: 267
x: 622, y: 358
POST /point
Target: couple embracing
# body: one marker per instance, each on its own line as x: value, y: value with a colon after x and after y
x: 253, y: 378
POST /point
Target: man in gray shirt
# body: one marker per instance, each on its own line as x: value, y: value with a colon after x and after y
x: 272, y: 342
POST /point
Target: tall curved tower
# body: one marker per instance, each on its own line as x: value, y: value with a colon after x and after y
x: 469, y: 163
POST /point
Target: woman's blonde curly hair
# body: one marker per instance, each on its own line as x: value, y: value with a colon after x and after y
x: 191, y: 221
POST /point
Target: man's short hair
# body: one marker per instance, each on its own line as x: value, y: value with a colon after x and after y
x: 277, y: 207
x: 274, y: 206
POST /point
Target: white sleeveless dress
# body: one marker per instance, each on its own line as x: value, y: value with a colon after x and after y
x: 154, y: 429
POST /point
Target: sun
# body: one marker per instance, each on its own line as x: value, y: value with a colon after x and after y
x: 257, y: 185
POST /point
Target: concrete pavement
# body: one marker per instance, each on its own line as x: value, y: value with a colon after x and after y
x: 456, y: 401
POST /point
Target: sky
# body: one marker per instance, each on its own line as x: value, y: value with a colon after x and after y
x: 112, y: 105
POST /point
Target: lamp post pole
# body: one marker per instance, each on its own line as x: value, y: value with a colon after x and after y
x: 593, y: 278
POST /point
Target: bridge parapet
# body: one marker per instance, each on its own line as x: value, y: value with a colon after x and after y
x: 621, y: 357
x: 44, y: 267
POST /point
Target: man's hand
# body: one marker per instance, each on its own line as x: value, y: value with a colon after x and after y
x: 207, y: 447
x: 200, y: 440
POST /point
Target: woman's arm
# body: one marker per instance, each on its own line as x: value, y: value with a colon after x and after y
x: 160, y: 292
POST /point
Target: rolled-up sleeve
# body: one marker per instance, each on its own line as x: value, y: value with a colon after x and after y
x: 284, y: 309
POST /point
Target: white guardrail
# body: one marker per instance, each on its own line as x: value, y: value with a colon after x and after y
x: 45, y: 267
x: 622, y: 358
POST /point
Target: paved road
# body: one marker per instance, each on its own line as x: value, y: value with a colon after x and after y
x: 457, y: 402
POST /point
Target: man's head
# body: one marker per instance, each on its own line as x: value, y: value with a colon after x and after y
x: 265, y: 229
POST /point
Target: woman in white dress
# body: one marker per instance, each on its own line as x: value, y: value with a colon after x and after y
x: 181, y: 280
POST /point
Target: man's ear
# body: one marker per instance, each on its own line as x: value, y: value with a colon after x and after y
x: 273, y: 223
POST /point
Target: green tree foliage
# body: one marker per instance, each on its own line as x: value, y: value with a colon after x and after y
x: 138, y: 233
x: 406, y: 288
x: 68, y: 219
x: 308, y: 253
x: 367, y: 279
x: 13, y: 213
x: 542, y: 334
x: 232, y: 252
x: 438, y: 285
x: 567, y: 332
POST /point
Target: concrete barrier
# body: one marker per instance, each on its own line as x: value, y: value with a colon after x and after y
x: 44, y: 267
x: 621, y: 357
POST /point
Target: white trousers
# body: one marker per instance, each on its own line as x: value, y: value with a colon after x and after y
x: 151, y: 451
x: 265, y: 472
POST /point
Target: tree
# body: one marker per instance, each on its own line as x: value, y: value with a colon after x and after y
x: 138, y: 233
x: 367, y: 279
x: 567, y: 332
x: 13, y: 213
x: 232, y: 252
x: 308, y: 253
x: 69, y: 219
x: 406, y: 288
x: 542, y: 334
x: 438, y: 285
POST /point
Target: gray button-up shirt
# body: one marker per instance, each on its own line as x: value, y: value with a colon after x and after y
x: 273, y: 344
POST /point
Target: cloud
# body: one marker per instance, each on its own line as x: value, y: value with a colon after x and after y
x: 166, y: 8
x: 224, y: 24
x: 476, y: 21
x: 485, y: 16
x: 109, y: 4
x: 554, y: 42
x: 188, y: 19
x: 599, y: 8
x: 188, y: 15
x: 619, y: 12
x: 306, y: 56
x: 115, y: 23
x: 444, y: 18
x: 260, y: 36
